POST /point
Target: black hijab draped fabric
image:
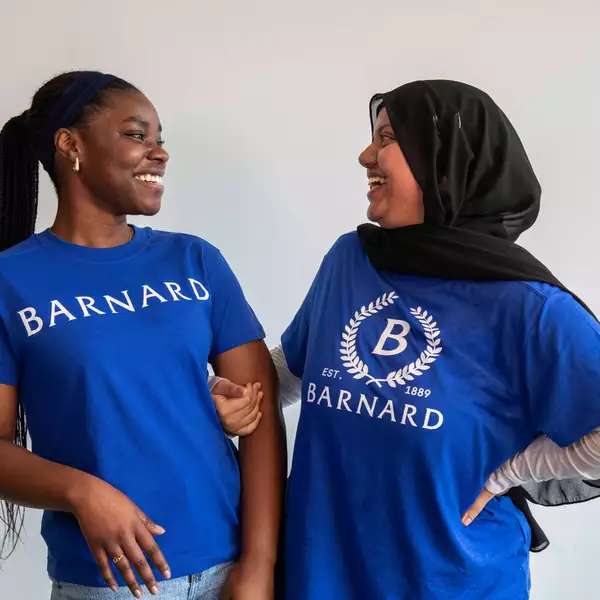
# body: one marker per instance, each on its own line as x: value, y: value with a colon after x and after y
x: 479, y: 193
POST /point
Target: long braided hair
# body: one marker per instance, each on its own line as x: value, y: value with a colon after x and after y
x: 21, y: 141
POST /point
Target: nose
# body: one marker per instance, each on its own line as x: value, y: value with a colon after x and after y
x: 368, y: 157
x: 158, y: 153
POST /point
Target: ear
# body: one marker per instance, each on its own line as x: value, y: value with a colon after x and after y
x: 67, y: 144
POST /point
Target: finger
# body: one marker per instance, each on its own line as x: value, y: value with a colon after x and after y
x: 232, y: 412
x: 229, y: 406
x: 227, y: 388
x: 150, y: 525
x: 250, y: 428
x: 121, y: 562
x: 257, y: 389
x: 138, y: 560
x: 234, y: 424
x: 151, y: 549
x: 104, y: 566
x: 252, y: 392
x: 473, y: 511
x: 245, y: 420
x: 257, y: 396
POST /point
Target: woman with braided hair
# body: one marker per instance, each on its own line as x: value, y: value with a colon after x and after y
x: 106, y: 330
x: 430, y: 352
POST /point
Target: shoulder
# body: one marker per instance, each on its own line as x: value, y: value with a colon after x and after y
x: 347, y: 242
x: 19, y: 255
x: 557, y: 307
x: 185, y: 242
x: 549, y: 296
x: 345, y: 246
x: 178, y: 237
x: 21, y: 249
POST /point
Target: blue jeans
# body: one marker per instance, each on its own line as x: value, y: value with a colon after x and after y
x: 202, y: 586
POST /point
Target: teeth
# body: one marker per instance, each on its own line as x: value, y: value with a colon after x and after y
x: 373, y: 181
x: 150, y: 178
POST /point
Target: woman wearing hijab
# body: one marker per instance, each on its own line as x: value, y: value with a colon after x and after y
x: 432, y: 351
x: 106, y: 330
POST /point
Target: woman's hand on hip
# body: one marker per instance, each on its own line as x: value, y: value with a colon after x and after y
x: 480, y: 503
x: 238, y: 406
x: 118, y: 532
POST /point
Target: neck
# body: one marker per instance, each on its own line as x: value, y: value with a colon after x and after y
x: 92, y: 231
x: 81, y: 220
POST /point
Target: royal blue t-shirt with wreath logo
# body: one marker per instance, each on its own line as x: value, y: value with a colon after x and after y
x: 414, y: 390
x: 108, y: 348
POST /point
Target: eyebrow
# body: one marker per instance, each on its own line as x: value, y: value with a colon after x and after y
x: 140, y: 121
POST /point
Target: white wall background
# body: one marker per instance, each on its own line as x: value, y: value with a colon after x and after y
x: 264, y: 106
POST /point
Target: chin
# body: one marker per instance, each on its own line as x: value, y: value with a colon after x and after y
x: 151, y: 211
x: 147, y: 209
x: 375, y: 218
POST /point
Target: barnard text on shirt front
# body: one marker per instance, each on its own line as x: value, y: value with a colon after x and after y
x: 414, y: 390
x: 108, y: 348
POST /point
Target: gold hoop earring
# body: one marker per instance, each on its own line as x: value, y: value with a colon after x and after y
x: 76, y: 165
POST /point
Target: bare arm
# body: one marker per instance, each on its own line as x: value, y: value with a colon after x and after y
x: 262, y: 463
x: 239, y: 408
x: 110, y: 522
x: 27, y: 479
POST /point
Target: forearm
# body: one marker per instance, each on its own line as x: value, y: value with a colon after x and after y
x: 32, y: 481
x: 262, y: 472
x: 262, y: 455
x: 289, y: 389
x: 543, y: 460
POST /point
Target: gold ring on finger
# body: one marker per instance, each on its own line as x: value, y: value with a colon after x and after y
x: 117, y: 559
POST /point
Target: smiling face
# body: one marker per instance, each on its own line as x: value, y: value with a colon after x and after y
x: 395, y: 197
x: 121, y: 154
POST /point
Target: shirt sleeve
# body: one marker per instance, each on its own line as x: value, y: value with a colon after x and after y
x: 233, y: 320
x: 8, y: 363
x: 543, y: 460
x: 562, y: 370
x: 290, y: 386
x: 294, y: 340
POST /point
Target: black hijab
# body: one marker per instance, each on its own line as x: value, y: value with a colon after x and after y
x: 480, y: 193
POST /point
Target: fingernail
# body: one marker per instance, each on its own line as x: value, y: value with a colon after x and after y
x: 114, y: 588
x: 167, y: 574
x: 160, y: 529
x: 467, y: 521
x: 154, y: 590
x: 137, y: 594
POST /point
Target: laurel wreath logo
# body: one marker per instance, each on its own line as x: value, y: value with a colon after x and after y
x: 360, y: 370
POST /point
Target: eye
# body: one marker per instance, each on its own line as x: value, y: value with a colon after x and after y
x: 138, y: 135
x: 386, y: 138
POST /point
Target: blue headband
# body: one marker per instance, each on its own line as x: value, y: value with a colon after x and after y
x: 67, y: 110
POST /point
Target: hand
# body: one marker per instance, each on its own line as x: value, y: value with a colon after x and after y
x: 249, y: 580
x: 114, y: 527
x: 238, y: 407
x: 480, y: 503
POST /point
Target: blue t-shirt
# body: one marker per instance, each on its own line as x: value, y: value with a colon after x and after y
x: 108, y: 349
x: 414, y: 389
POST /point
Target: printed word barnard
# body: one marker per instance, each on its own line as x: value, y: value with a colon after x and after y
x: 34, y: 319
x: 374, y: 407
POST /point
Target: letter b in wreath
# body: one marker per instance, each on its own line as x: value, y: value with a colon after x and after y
x: 399, y: 338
